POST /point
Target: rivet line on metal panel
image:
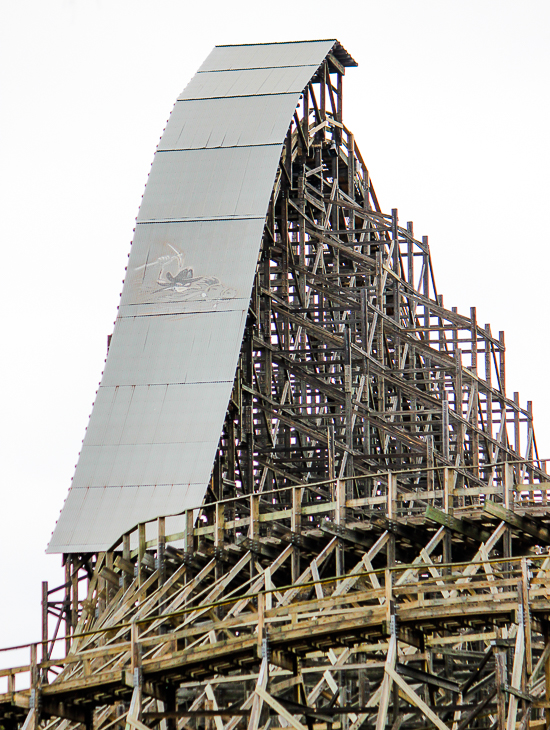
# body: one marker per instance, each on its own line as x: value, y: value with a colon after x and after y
x: 259, y: 68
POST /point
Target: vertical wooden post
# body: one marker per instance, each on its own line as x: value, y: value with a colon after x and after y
x: 74, y: 597
x: 390, y: 508
x: 217, y: 484
x: 44, y: 652
x: 458, y: 406
x: 323, y: 94
x: 34, y: 699
x: 474, y: 436
x: 448, y: 502
x: 517, y: 437
x: 364, y: 321
x: 34, y: 665
x: 473, y: 333
x: 219, y: 526
x: 67, y: 603
x: 426, y: 276
x: 396, y: 266
x: 268, y: 588
x: 331, y: 452
x: 261, y: 621
x: 141, y: 551
x: 254, y: 530
x: 296, y: 517
x: 499, y: 652
x: 109, y: 588
x: 296, y: 529
x: 488, y: 378
x: 305, y: 121
x: 134, y: 651
x: 230, y: 460
x: 546, y: 634
x: 126, y: 580
x: 219, y: 530
x: 101, y: 593
x: 340, y: 498
x: 530, y: 438
x: 366, y: 192
x: 340, y: 520
x: 391, y: 496
x: 526, y: 616
x: 518, y: 664
x: 502, y: 363
x: 445, y: 426
x: 508, y: 479
x: 351, y: 174
x: 410, y: 254
x: 380, y: 323
x: 388, y: 590
x: 188, y: 540
x: 430, y: 463
x: 161, y: 547
x: 348, y: 396
x: 340, y: 95
x: 448, y: 490
x: 508, y: 486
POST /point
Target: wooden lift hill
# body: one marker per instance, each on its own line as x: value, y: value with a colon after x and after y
x: 373, y: 547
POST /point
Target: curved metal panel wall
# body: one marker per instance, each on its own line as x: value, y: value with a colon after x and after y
x: 156, y: 422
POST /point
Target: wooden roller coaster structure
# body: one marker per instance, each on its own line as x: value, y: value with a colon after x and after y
x: 373, y: 550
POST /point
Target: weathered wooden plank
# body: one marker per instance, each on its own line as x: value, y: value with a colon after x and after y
x: 521, y: 523
x: 457, y: 525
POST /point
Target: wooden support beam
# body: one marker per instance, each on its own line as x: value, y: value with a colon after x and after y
x: 456, y: 525
x: 355, y: 537
x: 524, y: 524
x: 416, y: 700
x: 426, y: 678
x: 279, y: 709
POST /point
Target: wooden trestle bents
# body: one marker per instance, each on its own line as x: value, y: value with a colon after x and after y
x: 374, y: 549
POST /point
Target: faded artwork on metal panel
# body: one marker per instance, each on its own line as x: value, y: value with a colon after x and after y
x: 171, y: 277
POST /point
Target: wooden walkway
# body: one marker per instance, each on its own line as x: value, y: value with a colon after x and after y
x: 235, y: 630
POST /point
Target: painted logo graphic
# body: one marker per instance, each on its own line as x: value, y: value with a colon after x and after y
x: 168, y: 279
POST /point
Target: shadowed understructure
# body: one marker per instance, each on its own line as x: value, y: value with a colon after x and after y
x: 304, y: 498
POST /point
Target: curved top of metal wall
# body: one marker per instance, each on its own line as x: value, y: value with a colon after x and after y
x: 158, y: 415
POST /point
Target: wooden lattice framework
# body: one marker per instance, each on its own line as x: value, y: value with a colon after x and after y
x: 373, y: 549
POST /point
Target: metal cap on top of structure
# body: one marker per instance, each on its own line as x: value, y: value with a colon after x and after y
x: 151, y: 441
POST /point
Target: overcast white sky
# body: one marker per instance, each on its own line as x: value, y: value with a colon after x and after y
x: 450, y: 108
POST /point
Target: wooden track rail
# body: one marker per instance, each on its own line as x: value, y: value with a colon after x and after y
x: 374, y: 547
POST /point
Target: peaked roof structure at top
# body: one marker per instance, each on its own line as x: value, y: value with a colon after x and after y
x: 156, y: 422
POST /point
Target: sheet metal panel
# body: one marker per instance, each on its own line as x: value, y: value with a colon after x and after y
x: 127, y: 506
x: 129, y: 465
x: 183, y: 307
x: 225, y: 182
x: 300, y: 53
x: 186, y: 348
x: 249, y: 82
x: 154, y: 429
x: 151, y: 414
x: 191, y: 263
x: 228, y: 122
